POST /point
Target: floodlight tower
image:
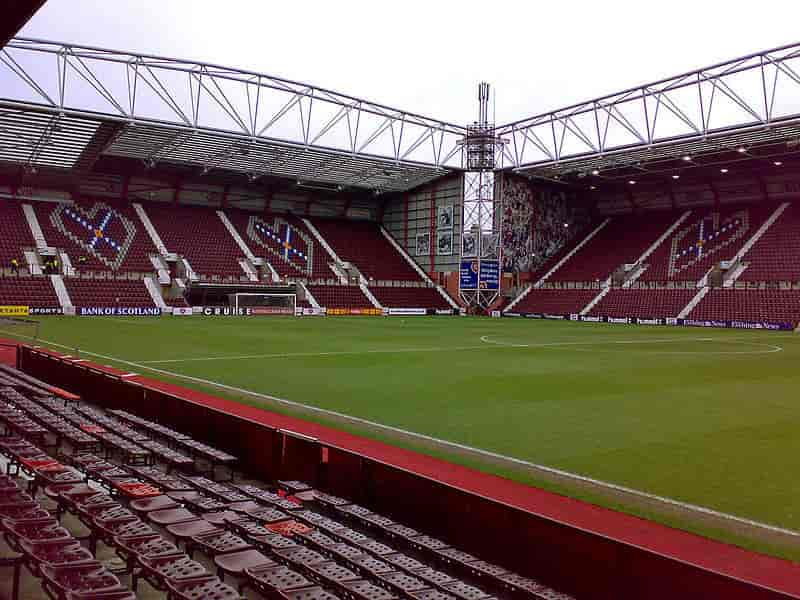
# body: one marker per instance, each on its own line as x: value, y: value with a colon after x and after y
x: 481, y: 247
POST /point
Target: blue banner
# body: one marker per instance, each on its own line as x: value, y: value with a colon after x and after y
x: 469, y: 275
x: 490, y: 275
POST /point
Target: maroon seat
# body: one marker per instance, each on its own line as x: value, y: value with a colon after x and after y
x: 208, y: 588
x: 121, y: 595
x: 56, y: 553
x: 146, y: 505
x: 151, y: 545
x: 309, y: 593
x: 188, y: 529
x: 37, y: 531
x: 364, y: 590
x: 271, y: 580
x: 235, y: 563
x: 85, y: 577
x: 159, y: 570
x: 218, y: 542
x: 171, y: 516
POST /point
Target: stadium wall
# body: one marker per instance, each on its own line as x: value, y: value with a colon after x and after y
x: 412, y: 215
x: 587, y: 551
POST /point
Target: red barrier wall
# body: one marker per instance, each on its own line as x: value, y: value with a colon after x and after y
x: 567, y: 556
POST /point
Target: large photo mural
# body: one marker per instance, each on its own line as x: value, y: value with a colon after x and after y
x: 536, y: 224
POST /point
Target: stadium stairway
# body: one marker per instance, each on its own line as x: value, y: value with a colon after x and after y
x: 150, y: 229
x: 696, y: 299
x: 198, y: 235
x: 62, y: 293
x: 653, y: 247
x: 566, y: 257
x: 775, y: 255
x: 362, y: 244
x: 736, y: 260
x: 287, y: 248
x: 35, y: 228
x: 623, y: 240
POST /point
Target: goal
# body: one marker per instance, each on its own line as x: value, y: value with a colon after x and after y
x: 263, y: 304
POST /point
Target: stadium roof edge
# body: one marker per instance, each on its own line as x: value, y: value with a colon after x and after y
x: 26, y: 40
x: 506, y: 126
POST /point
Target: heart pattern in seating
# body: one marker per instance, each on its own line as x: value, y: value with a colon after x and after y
x: 100, y: 231
x: 705, y: 239
x: 284, y: 241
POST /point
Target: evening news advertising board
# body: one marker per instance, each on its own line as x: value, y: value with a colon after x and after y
x: 759, y: 325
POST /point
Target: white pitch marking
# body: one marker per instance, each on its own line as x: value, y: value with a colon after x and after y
x: 312, y: 354
x: 772, y: 347
x: 421, y: 436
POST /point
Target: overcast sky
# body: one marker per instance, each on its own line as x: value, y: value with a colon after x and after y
x: 428, y: 56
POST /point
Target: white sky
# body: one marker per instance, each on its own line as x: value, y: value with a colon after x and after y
x: 425, y: 56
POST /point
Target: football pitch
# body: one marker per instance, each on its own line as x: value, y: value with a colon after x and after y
x: 708, y: 418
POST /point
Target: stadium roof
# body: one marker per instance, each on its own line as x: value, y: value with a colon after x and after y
x: 66, y: 106
x: 55, y: 97
x: 740, y: 106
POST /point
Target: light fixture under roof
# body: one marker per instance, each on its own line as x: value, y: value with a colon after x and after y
x: 741, y: 149
x: 723, y: 170
x: 595, y: 172
x: 632, y: 182
x: 593, y: 187
x: 676, y: 176
x: 687, y: 158
x: 777, y: 163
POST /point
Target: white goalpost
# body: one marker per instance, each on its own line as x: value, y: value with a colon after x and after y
x: 263, y: 304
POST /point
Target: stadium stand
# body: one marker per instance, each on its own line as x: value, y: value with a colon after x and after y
x: 194, y: 537
x: 16, y: 234
x: 660, y: 303
x: 776, y: 256
x: 555, y: 301
x: 285, y: 242
x: 707, y: 237
x: 760, y: 305
x: 363, y: 244
x: 198, y: 234
x: 623, y: 240
x: 108, y: 293
x: 36, y: 292
x: 409, y: 297
x: 340, y: 296
x: 97, y: 235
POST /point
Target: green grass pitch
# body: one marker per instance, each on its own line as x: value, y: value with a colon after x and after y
x: 707, y: 417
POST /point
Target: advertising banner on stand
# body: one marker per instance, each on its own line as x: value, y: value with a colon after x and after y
x: 489, y: 278
x: 118, y: 311
x: 469, y: 275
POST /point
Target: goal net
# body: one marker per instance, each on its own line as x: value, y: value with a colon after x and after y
x: 16, y: 328
x: 263, y: 304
